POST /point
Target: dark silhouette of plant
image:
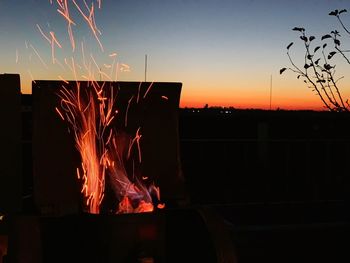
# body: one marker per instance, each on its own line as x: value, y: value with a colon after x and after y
x: 318, y: 71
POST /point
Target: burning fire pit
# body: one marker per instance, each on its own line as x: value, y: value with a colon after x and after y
x: 116, y: 143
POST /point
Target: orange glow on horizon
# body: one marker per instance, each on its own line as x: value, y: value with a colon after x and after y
x: 288, y: 93
x: 283, y: 105
x: 239, y: 101
x: 192, y: 98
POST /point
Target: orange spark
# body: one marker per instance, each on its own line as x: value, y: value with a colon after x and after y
x: 148, y: 89
x: 60, y: 3
x: 16, y: 56
x: 65, y: 13
x: 127, y: 110
x: 42, y: 33
x: 93, y: 60
x: 113, y: 55
x: 165, y: 98
x: 90, y: 22
x: 41, y: 60
x: 53, y: 41
x: 124, y: 67
x: 78, y: 173
x: 59, y: 113
x: 156, y: 190
x: 104, y: 74
x: 74, y: 71
x: 138, y: 92
x: 161, y: 206
x: 116, y: 72
x: 69, y: 66
x: 65, y: 81
x: 83, y: 57
x: 31, y: 76
x: 137, y: 140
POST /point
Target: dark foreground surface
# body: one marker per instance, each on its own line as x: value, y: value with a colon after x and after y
x: 301, y: 232
x: 248, y: 234
x: 278, y: 180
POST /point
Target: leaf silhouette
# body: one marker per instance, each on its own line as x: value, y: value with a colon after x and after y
x: 311, y: 38
x: 282, y: 70
x: 337, y: 42
x: 327, y: 66
x: 324, y: 45
x: 321, y: 80
x: 317, y: 61
x: 309, y: 57
x: 316, y: 48
x: 342, y: 11
x: 290, y: 45
x: 303, y: 38
x: 331, y: 54
x: 335, y: 32
x: 306, y: 66
x: 298, y: 76
x: 334, y: 13
x: 325, y: 36
x: 300, y: 29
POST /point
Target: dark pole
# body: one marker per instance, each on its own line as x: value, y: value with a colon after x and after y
x: 270, y: 92
x: 145, y: 67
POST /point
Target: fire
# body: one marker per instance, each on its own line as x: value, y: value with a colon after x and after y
x: 90, y: 112
x: 104, y: 151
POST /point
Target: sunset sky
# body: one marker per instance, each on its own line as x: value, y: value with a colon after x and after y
x: 223, y: 51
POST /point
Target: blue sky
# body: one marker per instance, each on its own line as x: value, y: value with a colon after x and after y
x: 222, y: 51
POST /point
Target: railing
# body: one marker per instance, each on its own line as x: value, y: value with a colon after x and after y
x: 242, y: 170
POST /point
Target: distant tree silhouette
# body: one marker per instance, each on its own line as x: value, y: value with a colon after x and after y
x: 318, y: 71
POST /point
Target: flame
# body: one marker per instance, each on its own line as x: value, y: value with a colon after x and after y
x: 82, y: 117
x: 134, y: 192
x: 105, y: 152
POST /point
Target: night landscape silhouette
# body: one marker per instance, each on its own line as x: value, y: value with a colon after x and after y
x: 174, y: 131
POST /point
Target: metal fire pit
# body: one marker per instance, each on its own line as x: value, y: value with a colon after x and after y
x: 55, y: 158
